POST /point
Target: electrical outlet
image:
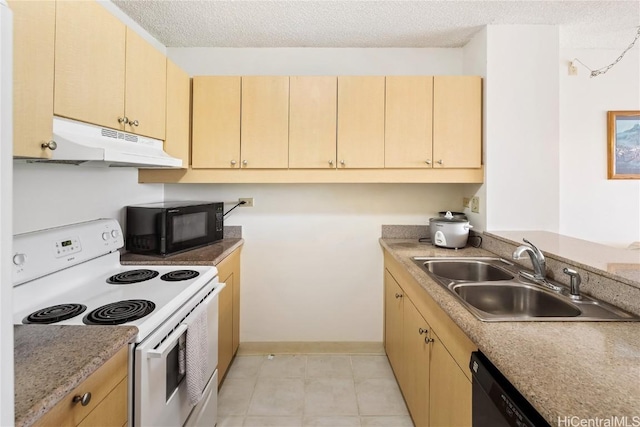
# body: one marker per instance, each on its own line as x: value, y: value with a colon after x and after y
x: 465, y: 202
x: 573, y: 70
x: 475, y: 204
x: 249, y: 201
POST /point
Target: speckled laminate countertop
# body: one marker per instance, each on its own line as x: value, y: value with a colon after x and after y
x: 587, y: 370
x: 50, y: 361
x: 207, y: 255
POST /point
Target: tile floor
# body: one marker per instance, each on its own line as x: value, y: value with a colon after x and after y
x: 311, y: 390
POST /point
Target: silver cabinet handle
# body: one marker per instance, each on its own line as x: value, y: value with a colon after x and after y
x: 428, y: 162
x: 440, y: 162
x: 51, y: 145
x: 84, y: 399
x: 422, y: 331
x: 428, y: 340
x: 245, y: 163
x: 233, y: 162
x: 342, y: 162
x: 398, y: 295
x: 134, y: 123
x: 124, y: 120
x: 330, y: 162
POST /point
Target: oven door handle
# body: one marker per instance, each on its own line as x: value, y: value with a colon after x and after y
x: 163, y: 349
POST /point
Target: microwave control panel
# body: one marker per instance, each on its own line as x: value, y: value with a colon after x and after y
x: 219, y: 216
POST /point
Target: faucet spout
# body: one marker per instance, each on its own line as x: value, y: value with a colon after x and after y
x: 537, y: 259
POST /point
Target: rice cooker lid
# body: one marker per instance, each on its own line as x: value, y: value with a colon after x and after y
x: 448, y: 219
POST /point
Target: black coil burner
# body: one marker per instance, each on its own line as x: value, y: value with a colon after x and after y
x: 132, y: 276
x: 119, y: 312
x: 178, y: 275
x: 55, y: 313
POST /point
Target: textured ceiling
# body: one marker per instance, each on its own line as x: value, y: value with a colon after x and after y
x: 356, y: 23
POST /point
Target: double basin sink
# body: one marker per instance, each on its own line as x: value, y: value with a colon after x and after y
x: 492, y: 290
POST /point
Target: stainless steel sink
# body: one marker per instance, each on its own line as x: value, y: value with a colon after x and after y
x: 492, y: 290
x: 466, y: 270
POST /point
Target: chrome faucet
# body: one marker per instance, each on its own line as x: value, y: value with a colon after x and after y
x: 539, y: 265
x: 575, y: 281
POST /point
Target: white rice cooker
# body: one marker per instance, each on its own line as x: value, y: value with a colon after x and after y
x: 449, y: 231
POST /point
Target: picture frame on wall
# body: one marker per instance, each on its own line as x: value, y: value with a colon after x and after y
x: 623, y: 135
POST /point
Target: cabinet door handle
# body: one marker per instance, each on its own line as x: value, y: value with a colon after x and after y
x: 398, y: 295
x: 428, y: 340
x: 428, y: 162
x: 51, y: 145
x: 422, y: 331
x: 440, y: 162
x: 244, y: 163
x: 84, y: 399
x: 124, y: 120
x: 233, y: 162
x: 342, y: 162
x: 330, y: 162
x: 134, y: 123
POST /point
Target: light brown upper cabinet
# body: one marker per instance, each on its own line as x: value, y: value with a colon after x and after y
x: 457, y: 121
x: 312, y: 121
x: 33, y: 36
x: 176, y: 143
x: 361, y: 122
x: 215, y: 136
x: 146, y: 87
x: 93, y: 81
x: 408, y: 122
x: 265, y: 122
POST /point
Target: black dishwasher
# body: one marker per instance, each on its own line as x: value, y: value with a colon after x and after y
x: 495, y: 402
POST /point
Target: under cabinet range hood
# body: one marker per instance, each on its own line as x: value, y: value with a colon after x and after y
x: 84, y: 144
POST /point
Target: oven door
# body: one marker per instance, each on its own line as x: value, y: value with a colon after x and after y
x: 160, y: 386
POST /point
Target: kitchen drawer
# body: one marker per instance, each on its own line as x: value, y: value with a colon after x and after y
x: 112, y: 375
x: 112, y: 411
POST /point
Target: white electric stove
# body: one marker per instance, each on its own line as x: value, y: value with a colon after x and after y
x: 72, y: 275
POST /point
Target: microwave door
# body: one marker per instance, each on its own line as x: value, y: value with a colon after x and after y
x: 187, y: 228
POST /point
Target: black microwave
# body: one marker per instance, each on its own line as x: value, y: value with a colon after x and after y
x: 165, y: 228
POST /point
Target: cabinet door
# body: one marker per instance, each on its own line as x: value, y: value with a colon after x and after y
x: 408, y: 122
x: 457, y: 121
x: 265, y: 122
x: 112, y: 411
x: 450, y: 389
x: 225, y: 327
x: 176, y: 143
x: 216, y: 122
x: 33, y: 38
x: 360, y: 122
x: 312, y: 121
x: 146, y: 88
x: 89, y: 64
x: 416, y: 363
x: 393, y: 321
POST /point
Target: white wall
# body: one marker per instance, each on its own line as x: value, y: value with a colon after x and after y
x: 50, y: 195
x: 312, y: 265
x: 6, y: 148
x: 591, y: 206
x: 522, y: 128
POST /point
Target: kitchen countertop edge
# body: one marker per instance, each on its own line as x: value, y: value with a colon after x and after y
x: 35, y: 395
x: 547, y: 389
x: 211, y: 254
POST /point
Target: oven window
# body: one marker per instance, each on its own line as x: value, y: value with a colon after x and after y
x: 189, y: 226
x: 176, y: 366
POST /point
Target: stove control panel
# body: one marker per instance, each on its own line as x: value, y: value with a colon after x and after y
x: 67, y: 247
x: 43, y: 252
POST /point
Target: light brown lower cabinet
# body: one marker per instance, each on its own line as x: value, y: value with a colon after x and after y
x: 228, y: 312
x: 429, y: 354
x: 108, y: 404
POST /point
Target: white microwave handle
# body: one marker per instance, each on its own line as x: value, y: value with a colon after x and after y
x: 161, y: 351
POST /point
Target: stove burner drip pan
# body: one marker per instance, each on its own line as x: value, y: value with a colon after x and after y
x: 54, y: 314
x: 132, y: 276
x: 119, y: 312
x: 179, y: 275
